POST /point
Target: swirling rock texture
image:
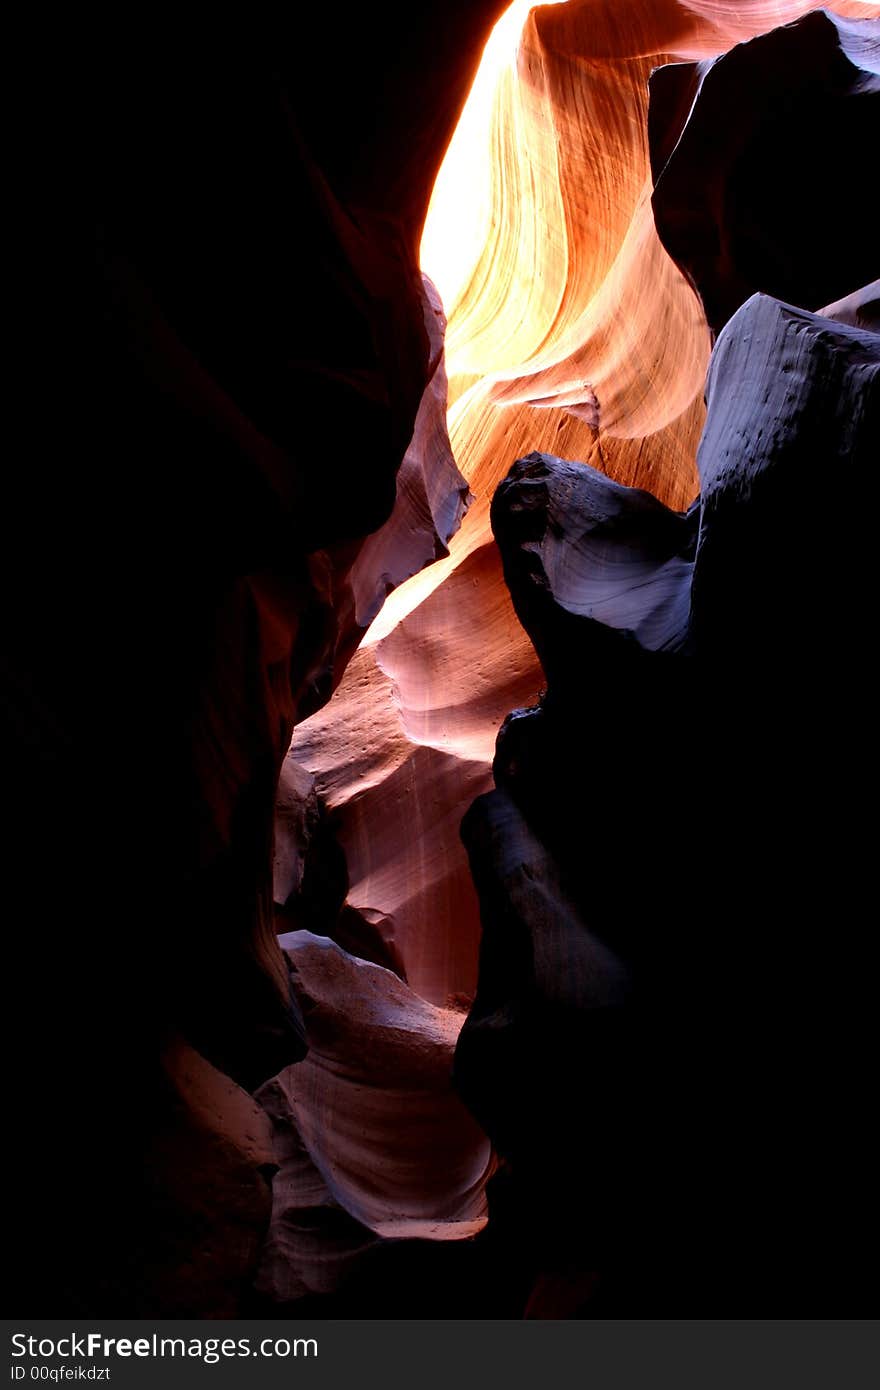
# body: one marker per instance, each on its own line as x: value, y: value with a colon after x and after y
x: 570, y: 333
x: 189, y: 577
x: 377, y: 1081
x: 544, y: 327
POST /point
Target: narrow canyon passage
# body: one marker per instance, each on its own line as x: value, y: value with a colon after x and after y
x: 541, y: 238
x: 573, y: 333
x: 438, y: 661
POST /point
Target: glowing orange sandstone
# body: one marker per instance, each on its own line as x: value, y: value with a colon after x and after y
x: 571, y: 332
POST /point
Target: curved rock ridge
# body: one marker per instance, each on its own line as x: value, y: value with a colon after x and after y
x: 575, y: 542
x: 406, y: 742
x: 571, y: 333
x: 397, y: 756
x: 579, y: 549
x: 735, y: 204
x: 676, y: 968
x: 373, y: 1142
x: 571, y: 300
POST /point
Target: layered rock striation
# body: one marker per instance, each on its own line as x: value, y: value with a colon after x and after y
x: 213, y: 500
x: 572, y: 333
x: 375, y: 1144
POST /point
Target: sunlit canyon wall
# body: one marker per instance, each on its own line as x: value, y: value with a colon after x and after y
x: 252, y: 455
x: 592, y: 227
x: 571, y: 331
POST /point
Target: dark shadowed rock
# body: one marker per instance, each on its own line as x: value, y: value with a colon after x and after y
x: 691, y: 808
x: 581, y: 550
x: 793, y: 402
x: 757, y: 202
x: 220, y: 414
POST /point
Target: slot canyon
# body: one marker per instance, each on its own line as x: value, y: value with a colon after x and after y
x: 437, y: 667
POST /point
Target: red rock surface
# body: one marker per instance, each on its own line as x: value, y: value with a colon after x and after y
x: 373, y: 1141
x: 571, y: 332
x: 185, y: 560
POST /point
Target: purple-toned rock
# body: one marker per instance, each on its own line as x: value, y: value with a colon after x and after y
x: 674, y: 1012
